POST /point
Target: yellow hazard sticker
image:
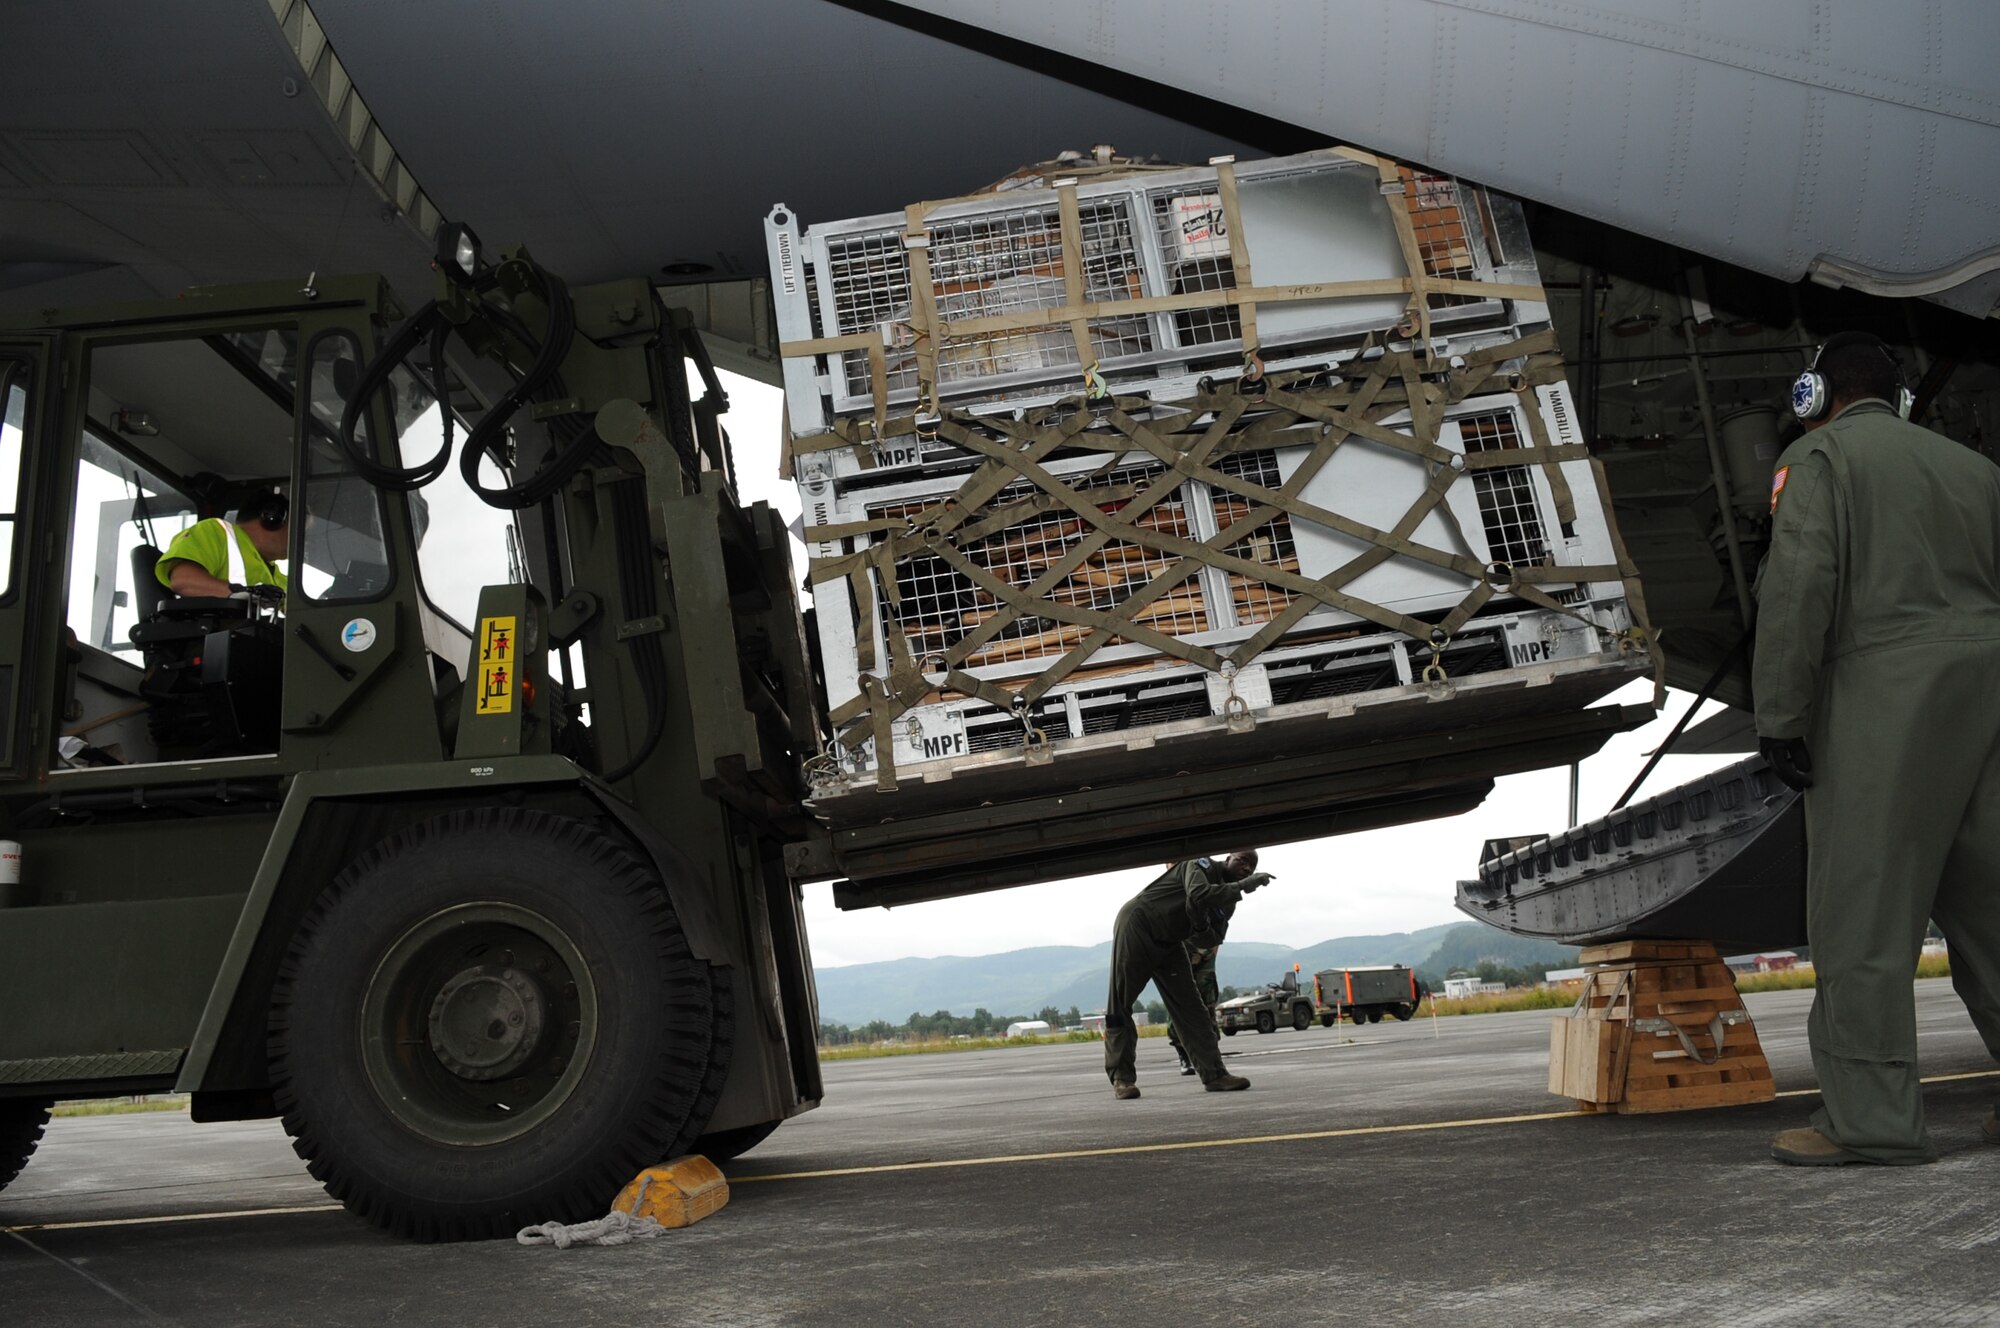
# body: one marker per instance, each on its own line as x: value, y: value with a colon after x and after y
x: 1778, y: 479
x: 497, y: 680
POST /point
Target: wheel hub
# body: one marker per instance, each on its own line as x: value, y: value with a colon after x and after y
x: 486, y: 1022
x: 478, y: 1023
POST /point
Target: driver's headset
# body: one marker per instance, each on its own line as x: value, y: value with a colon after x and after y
x: 1812, y: 395
x: 270, y: 510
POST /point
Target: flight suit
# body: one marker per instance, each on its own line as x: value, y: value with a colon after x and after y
x: 1878, y: 642
x: 1201, y: 962
x: 1148, y: 945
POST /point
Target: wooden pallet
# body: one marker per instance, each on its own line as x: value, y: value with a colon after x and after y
x: 1659, y: 1027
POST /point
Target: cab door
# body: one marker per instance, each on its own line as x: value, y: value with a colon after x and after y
x: 28, y: 415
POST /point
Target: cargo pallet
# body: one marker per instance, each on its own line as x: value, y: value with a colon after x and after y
x: 1659, y: 1026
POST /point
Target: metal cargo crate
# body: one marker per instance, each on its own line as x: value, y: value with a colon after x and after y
x: 1376, y: 490
x: 1125, y: 278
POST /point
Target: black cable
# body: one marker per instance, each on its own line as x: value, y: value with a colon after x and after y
x: 572, y: 453
x: 374, y: 376
x: 542, y: 381
x: 1707, y: 688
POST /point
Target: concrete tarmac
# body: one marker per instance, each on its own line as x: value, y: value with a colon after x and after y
x: 1394, y: 1173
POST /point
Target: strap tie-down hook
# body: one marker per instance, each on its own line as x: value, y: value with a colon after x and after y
x: 1434, y: 673
x: 1095, y: 388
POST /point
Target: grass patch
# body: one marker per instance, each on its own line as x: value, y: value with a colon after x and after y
x: 122, y: 1106
x: 1503, y: 1002
x: 1799, y: 979
x: 936, y: 1046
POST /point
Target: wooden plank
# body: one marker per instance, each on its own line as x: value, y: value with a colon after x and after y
x: 1688, y: 1099
x: 1624, y: 950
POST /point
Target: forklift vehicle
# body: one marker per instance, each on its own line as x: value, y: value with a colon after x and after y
x: 478, y: 858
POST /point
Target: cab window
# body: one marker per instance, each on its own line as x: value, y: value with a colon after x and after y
x: 186, y: 453
x: 343, y: 551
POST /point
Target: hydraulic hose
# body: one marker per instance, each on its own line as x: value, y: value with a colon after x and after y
x: 399, y: 479
x: 542, y: 381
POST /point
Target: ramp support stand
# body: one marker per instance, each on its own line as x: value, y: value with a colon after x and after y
x: 1659, y: 1026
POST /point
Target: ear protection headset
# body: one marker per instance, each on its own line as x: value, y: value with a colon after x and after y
x: 271, y: 509
x: 1812, y: 395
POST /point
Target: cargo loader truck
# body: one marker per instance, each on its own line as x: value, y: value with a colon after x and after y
x: 476, y: 854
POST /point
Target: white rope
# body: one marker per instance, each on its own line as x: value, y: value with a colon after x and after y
x: 614, y: 1228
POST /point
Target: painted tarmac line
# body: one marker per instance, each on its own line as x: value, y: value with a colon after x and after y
x: 1127, y: 1150
x: 96, y: 1223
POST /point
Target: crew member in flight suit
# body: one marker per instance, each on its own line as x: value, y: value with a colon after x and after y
x: 1201, y: 956
x: 1878, y: 643
x: 1190, y: 900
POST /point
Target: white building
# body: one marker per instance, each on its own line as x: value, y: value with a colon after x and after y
x: 1029, y: 1028
x: 1470, y: 987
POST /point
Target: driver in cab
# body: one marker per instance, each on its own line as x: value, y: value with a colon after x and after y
x: 216, y: 558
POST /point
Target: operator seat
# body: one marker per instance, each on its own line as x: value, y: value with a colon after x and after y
x: 212, y: 669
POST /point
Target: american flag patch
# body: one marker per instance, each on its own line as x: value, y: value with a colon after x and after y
x: 1778, y: 485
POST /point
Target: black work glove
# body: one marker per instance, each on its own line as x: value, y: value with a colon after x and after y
x: 1255, y: 880
x: 1789, y: 760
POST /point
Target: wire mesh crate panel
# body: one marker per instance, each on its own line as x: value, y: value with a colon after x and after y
x: 868, y: 277
x: 940, y: 605
x: 1473, y: 652
x: 1136, y: 704
x: 1190, y: 229
x: 1005, y: 263
x: 990, y: 729
x: 1271, y: 543
x: 1336, y: 673
x: 1444, y: 242
x: 1507, y: 506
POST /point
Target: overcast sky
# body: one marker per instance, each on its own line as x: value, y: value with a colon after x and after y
x: 1363, y: 884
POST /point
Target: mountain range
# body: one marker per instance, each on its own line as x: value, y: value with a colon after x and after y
x: 1023, y: 981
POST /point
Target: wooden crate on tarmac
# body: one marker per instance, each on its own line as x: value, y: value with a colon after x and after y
x: 1659, y: 1026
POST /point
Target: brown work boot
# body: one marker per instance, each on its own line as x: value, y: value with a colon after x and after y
x: 1124, y: 1092
x: 1226, y: 1083
x: 1807, y: 1147
x: 1989, y: 1129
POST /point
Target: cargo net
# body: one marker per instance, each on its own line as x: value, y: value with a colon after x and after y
x: 938, y: 606
x: 1022, y: 563
x: 992, y: 266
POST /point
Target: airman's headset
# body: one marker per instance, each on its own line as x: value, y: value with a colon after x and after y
x: 270, y: 509
x: 1812, y: 395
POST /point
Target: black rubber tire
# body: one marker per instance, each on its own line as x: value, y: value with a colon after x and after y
x: 723, y: 1145
x: 21, y: 1125
x: 1403, y: 1013
x: 1328, y: 1020
x: 1266, y: 1022
x: 1229, y: 1032
x: 1375, y: 1015
x: 1359, y: 1016
x: 1302, y: 1017
x: 660, y: 1033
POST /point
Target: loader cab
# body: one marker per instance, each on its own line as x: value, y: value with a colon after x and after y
x: 143, y: 427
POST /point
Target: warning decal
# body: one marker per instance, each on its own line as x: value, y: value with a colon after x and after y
x: 1778, y: 479
x: 496, y: 667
